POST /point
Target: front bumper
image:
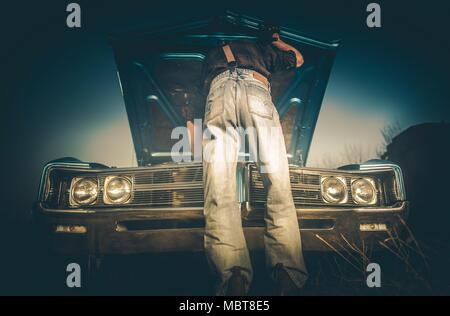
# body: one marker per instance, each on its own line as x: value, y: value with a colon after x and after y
x: 147, y: 230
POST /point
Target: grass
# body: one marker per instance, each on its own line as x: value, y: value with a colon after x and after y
x: 408, y: 266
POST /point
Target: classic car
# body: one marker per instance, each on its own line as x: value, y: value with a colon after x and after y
x: 91, y: 209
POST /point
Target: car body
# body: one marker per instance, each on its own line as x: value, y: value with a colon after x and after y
x: 162, y: 208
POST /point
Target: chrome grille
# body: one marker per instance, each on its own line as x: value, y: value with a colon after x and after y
x: 175, y: 198
x: 304, y: 178
x: 174, y: 186
x: 178, y: 185
x: 305, y: 185
x: 171, y: 186
x: 187, y: 174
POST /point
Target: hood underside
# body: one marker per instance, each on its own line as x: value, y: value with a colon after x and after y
x: 160, y: 70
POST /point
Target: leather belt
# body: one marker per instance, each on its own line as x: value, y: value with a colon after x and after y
x: 232, y: 65
x: 260, y: 77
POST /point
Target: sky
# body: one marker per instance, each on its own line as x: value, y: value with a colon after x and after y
x: 61, y: 95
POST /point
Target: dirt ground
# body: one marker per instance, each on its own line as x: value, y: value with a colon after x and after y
x: 406, y: 269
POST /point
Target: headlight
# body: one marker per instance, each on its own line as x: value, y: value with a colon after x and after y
x: 334, y: 190
x: 364, y: 191
x: 117, y: 190
x: 83, y: 191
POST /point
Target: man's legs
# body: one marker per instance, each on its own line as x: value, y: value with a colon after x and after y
x: 282, y: 236
x: 225, y: 244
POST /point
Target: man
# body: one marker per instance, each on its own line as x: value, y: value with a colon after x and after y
x: 237, y: 76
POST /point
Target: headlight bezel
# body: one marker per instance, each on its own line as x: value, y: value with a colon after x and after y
x: 356, y: 199
x: 325, y: 196
x: 73, y: 200
x: 107, y: 199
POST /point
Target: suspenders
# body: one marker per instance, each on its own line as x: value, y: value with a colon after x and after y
x: 230, y: 57
x: 231, y: 63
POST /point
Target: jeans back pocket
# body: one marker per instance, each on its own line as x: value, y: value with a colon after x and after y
x: 259, y: 101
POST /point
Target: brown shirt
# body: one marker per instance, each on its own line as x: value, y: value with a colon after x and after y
x: 264, y: 59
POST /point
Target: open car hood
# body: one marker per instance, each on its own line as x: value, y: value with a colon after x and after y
x: 159, y: 72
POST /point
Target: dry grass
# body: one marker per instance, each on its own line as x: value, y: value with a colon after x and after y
x: 405, y: 268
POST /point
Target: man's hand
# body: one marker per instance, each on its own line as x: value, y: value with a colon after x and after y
x: 278, y: 43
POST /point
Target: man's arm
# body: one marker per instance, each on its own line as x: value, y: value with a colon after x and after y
x: 278, y: 43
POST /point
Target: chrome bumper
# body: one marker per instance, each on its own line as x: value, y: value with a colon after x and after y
x: 146, y: 230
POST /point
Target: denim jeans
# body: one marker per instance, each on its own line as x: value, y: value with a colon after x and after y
x: 237, y: 101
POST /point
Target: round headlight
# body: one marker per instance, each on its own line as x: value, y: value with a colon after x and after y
x: 117, y: 190
x: 334, y: 190
x: 84, y: 191
x: 363, y: 191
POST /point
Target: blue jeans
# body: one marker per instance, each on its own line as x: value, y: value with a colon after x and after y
x: 237, y: 102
